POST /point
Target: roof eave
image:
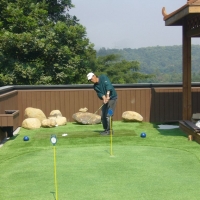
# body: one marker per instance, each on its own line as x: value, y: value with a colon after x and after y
x: 176, y: 17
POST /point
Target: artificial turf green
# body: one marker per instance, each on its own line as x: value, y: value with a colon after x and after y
x: 164, y: 165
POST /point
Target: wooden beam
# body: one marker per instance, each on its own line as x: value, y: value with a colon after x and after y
x: 187, y: 107
x: 174, y: 20
x: 194, y: 32
x: 194, y: 9
x: 177, y: 18
x: 193, y: 25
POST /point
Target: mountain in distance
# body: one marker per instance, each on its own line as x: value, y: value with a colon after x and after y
x: 163, y: 61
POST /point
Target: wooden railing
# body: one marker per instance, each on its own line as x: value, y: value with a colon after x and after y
x: 155, y: 102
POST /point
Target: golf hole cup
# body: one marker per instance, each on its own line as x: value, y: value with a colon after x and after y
x: 143, y: 135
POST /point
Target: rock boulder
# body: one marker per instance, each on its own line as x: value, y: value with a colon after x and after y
x: 31, y: 123
x: 48, y: 123
x: 86, y: 118
x: 34, y: 113
x: 131, y: 116
x: 83, y: 109
x: 60, y: 121
x: 55, y: 113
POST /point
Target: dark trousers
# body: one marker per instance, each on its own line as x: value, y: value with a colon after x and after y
x: 105, y: 118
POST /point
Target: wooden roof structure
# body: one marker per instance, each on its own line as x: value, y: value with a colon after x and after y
x: 187, y: 16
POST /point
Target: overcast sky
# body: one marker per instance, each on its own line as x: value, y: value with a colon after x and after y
x: 128, y: 23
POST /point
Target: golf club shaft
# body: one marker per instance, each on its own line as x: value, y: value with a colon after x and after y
x: 95, y: 112
x: 99, y: 108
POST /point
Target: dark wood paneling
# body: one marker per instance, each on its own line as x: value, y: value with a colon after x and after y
x: 154, y: 104
x: 4, y: 120
x: 10, y: 120
x: 8, y: 101
x: 67, y: 101
x: 196, y: 100
x: 16, y: 120
x: 166, y: 104
x: 147, y: 103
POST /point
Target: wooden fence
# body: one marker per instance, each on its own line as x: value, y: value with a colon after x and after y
x: 155, y: 102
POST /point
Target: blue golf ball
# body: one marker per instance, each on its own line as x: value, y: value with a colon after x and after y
x: 143, y: 135
x: 26, y: 138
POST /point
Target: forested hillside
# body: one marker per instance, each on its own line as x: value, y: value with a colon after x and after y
x: 163, y: 61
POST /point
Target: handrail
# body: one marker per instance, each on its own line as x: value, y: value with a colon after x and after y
x: 88, y: 86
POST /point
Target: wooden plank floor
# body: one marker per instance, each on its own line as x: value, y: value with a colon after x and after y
x: 192, y: 134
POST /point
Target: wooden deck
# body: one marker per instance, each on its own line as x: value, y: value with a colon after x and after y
x: 190, y: 129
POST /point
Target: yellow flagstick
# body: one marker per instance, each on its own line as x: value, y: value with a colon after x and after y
x: 55, y: 178
x: 111, y: 153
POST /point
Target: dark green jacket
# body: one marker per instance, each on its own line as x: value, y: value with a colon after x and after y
x: 103, y: 86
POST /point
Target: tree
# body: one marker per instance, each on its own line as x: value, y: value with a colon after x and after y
x: 40, y: 43
x: 119, y: 71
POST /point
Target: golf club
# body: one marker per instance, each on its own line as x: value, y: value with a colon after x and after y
x: 92, y: 116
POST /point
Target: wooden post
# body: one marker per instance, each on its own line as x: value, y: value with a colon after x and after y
x: 187, y: 107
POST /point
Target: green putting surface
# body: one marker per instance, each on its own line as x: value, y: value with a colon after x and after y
x: 162, y: 166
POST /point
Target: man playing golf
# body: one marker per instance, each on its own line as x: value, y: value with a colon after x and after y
x: 106, y: 92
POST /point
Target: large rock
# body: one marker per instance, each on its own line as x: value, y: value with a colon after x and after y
x: 57, y: 116
x: 55, y: 113
x: 131, y: 116
x: 31, y: 123
x: 83, y: 109
x: 60, y: 121
x: 34, y: 113
x: 86, y: 118
x: 48, y: 123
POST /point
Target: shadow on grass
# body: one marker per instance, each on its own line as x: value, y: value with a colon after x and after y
x: 169, y: 132
x: 8, y: 139
x: 81, y: 124
x: 14, y: 137
x: 53, y: 193
x: 71, y: 134
x: 96, y: 133
x: 172, y: 132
